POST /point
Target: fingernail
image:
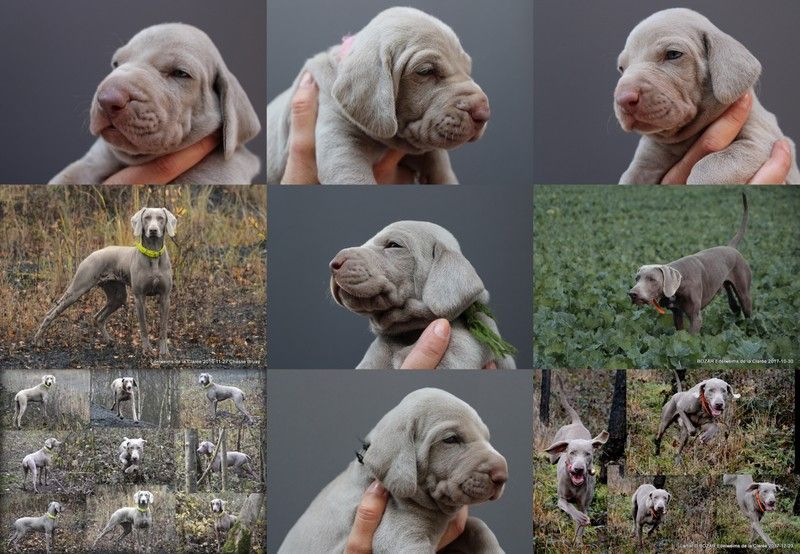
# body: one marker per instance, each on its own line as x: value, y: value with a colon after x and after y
x: 783, y: 144
x: 376, y: 488
x: 440, y: 329
x: 307, y: 80
x: 745, y: 99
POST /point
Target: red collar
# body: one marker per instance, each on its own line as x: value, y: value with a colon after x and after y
x: 704, y: 404
x: 654, y: 513
x: 759, y: 503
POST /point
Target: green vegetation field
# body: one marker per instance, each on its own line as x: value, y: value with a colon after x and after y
x: 589, y: 242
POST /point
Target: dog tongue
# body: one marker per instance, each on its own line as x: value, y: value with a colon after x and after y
x: 576, y: 479
x: 658, y: 308
x: 715, y: 412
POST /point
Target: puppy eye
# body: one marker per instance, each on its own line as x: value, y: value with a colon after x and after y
x: 453, y: 439
x: 637, y: 278
x: 425, y: 70
x: 673, y: 55
x: 621, y: 69
x: 115, y: 64
x: 180, y: 74
x: 392, y: 244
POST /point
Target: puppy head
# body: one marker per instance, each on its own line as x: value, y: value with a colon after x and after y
x: 679, y: 73
x: 407, y: 76
x: 136, y: 448
x: 48, y: 380
x: 654, y: 282
x: 206, y: 448
x: 714, y: 390
x: 407, y: 275
x: 218, y: 506
x: 168, y: 88
x: 55, y: 508
x: 52, y: 443
x: 205, y: 379
x: 143, y: 499
x: 153, y: 223
x: 434, y: 446
x: 128, y: 384
x: 578, y: 456
x: 657, y: 500
x: 767, y: 493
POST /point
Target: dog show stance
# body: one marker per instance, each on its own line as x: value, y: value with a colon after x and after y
x: 39, y: 393
x: 46, y: 523
x: 687, y: 285
x: 38, y: 463
x: 125, y: 389
x: 145, y: 268
x: 573, y: 450
x: 138, y: 520
x: 649, y: 508
x: 696, y: 411
x: 217, y: 393
x: 754, y: 500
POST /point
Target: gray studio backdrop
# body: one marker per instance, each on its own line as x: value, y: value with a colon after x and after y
x: 497, y: 36
x: 309, y: 225
x: 56, y: 53
x: 576, y: 42
x: 318, y: 417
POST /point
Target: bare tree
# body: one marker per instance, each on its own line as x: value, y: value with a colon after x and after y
x: 190, y: 440
x: 544, y: 398
x: 614, y: 448
x: 223, y: 467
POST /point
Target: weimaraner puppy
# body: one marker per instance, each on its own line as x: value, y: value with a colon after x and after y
x: 405, y: 277
x: 131, y: 452
x: 403, y: 82
x: 573, y: 450
x: 39, y: 393
x: 679, y: 74
x: 145, y: 268
x: 223, y: 521
x: 217, y: 393
x: 432, y: 453
x: 239, y: 463
x: 696, y: 409
x: 125, y: 389
x: 168, y: 88
x: 46, y: 523
x: 38, y: 463
x: 687, y: 285
x: 138, y: 519
x: 754, y: 499
x: 649, y: 508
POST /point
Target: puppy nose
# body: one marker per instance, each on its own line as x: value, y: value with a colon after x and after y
x: 718, y: 406
x: 499, y: 475
x: 627, y: 99
x: 337, y: 263
x: 632, y: 295
x: 480, y: 112
x: 113, y: 99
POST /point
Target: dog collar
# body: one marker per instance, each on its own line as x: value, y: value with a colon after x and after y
x: 51, y: 516
x: 46, y: 385
x: 142, y: 510
x: 658, y: 308
x: 48, y: 448
x: 654, y: 513
x: 206, y: 386
x: 483, y: 333
x: 759, y: 503
x: 150, y: 253
x: 704, y: 404
x: 220, y: 513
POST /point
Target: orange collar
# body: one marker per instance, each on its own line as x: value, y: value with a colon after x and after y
x: 704, y: 404
x: 658, y: 308
x: 654, y: 513
x: 759, y: 503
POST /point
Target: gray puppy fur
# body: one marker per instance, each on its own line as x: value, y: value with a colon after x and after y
x: 38, y: 463
x: 432, y: 454
x: 754, y: 499
x: 46, y: 523
x: 649, y: 508
x: 39, y: 393
x: 687, y: 285
x: 131, y: 453
x: 402, y: 279
x: 403, y: 83
x: 168, y: 88
x: 679, y: 74
x: 573, y: 450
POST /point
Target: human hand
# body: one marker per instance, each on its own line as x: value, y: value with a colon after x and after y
x: 167, y: 168
x: 431, y: 346
x: 369, y: 514
x: 719, y: 135
x: 301, y: 166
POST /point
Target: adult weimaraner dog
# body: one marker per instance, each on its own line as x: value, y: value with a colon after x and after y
x: 695, y: 410
x: 40, y: 393
x: 223, y: 521
x: 46, y: 523
x: 168, y: 88
x: 403, y: 82
x: 754, y: 499
x: 679, y: 74
x: 687, y: 285
x: 38, y: 463
x: 432, y: 454
x: 145, y: 268
x: 405, y: 277
x: 138, y: 519
x: 649, y: 508
x: 131, y: 453
x: 573, y: 450
x: 216, y: 393
x: 125, y: 389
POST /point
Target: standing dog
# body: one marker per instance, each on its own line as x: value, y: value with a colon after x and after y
x: 125, y: 389
x: 696, y: 408
x: 145, y: 268
x: 223, y: 521
x: 38, y: 463
x: 131, y: 452
x: 238, y: 462
x: 688, y: 285
x: 137, y: 519
x: 39, y: 393
x: 754, y: 499
x: 216, y: 393
x: 649, y: 508
x: 46, y: 523
x: 573, y: 449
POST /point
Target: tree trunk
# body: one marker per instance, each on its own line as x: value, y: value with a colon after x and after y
x: 190, y: 440
x: 544, y: 398
x: 614, y: 449
x: 223, y: 467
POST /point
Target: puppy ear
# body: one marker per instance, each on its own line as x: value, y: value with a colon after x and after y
x: 135, y: 384
x: 600, y: 439
x: 136, y: 223
x: 239, y: 119
x: 669, y: 497
x: 730, y: 391
x: 151, y: 497
x: 731, y: 66
x: 364, y: 87
x: 701, y: 389
x: 556, y: 449
x: 392, y: 458
x: 753, y: 486
x: 672, y: 279
x: 172, y: 222
x: 452, y: 284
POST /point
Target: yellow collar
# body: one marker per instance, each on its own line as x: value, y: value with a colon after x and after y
x: 220, y: 514
x: 208, y: 385
x: 51, y: 516
x: 46, y: 385
x: 150, y: 253
x: 48, y: 448
x: 143, y: 511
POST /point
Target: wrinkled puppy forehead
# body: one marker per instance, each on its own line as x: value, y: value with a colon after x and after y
x: 177, y: 43
x: 667, y: 27
x: 431, y: 406
x: 415, y: 232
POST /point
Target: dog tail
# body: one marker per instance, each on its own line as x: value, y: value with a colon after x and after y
x: 677, y: 380
x: 740, y: 233
x: 565, y: 403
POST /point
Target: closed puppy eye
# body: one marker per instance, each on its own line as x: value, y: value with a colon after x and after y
x: 425, y: 70
x: 180, y: 74
x: 673, y: 55
x: 393, y: 244
x: 115, y: 64
x: 621, y: 69
x: 452, y: 439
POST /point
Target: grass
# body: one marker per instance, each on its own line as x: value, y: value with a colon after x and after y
x: 71, y: 523
x: 217, y: 310
x: 195, y: 408
x: 68, y: 408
